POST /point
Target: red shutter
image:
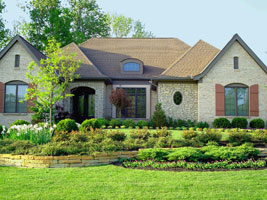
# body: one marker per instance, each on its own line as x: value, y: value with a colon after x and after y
x: 254, y: 100
x: 219, y: 93
x: 2, y: 95
x: 30, y: 103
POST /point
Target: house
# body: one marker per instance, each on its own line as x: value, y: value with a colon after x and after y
x: 198, y: 83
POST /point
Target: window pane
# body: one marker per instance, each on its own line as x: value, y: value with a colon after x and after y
x: 141, y: 106
x: 10, y: 99
x: 131, y: 67
x: 230, y: 96
x: 242, y: 101
x: 22, y: 107
x: 91, y: 105
x: 81, y: 105
x: 141, y: 90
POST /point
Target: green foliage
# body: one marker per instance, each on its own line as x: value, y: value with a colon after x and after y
x: 142, y: 123
x: 87, y: 124
x: 128, y: 123
x: 202, y: 125
x: 16, y: 147
x: 4, y: 32
x: 19, y: 122
x: 163, y: 132
x: 116, y: 135
x: 181, y: 123
x: 67, y: 125
x: 221, y: 123
x: 41, y: 113
x: 159, y: 117
x: 101, y: 122
x: 257, y: 123
x: 47, y: 86
x: 190, y: 134
x: 237, y: 138
x: 142, y: 134
x: 186, y: 153
x: 115, y: 122
x: 260, y: 136
x: 239, y: 122
x: 209, y: 136
x: 140, y: 32
x: 155, y: 154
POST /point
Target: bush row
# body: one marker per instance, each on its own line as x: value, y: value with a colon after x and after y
x: 238, y: 122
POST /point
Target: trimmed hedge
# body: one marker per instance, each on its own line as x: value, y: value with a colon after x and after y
x: 221, y: 123
x: 239, y: 122
x: 19, y: 122
x: 67, y: 125
x: 128, y: 123
x: 85, y: 126
x: 257, y: 123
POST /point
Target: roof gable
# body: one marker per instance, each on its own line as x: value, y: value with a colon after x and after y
x: 192, y: 62
x: 235, y: 38
x: 34, y: 53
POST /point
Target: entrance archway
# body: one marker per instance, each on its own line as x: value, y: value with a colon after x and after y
x: 83, y: 103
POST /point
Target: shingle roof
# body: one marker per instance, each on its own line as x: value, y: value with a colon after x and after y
x: 87, y: 69
x: 193, y: 62
x: 157, y: 54
x: 36, y: 54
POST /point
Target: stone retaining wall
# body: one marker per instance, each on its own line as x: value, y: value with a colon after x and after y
x: 29, y: 161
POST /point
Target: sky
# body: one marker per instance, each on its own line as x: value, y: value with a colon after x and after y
x: 214, y: 21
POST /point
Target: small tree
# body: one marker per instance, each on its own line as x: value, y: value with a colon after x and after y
x: 50, y: 80
x: 159, y: 117
x: 119, y: 99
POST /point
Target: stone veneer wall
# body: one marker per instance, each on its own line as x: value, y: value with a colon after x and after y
x: 154, y: 101
x: 249, y: 73
x: 188, y: 108
x: 100, y: 95
x: 29, y: 161
x: 8, y: 73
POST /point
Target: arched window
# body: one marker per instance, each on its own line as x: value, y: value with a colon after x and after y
x: 131, y: 66
x: 236, y: 100
x: 14, y: 97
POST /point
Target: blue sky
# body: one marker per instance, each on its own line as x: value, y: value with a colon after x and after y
x: 214, y: 21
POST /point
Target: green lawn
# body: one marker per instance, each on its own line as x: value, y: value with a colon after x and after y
x: 177, y: 134
x: 113, y: 182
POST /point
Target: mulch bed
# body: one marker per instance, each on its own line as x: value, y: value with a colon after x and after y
x: 183, y: 170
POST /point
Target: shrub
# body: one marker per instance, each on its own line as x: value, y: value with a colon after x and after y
x: 67, y: 125
x: 78, y: 136
x: 186, y: 153
x: 239, y: 122
x: 189, y: 135
x: 163, y: 132
x: 180, y: 123
x: 190, y: 123
x: 170, y: 122
x: 115, y: 122
x: 155, y: 154
x: 140, y: 134
x: 100, y: 122
x: 260, y: 136
x: 257, y: 123
x: 116, y: 135
x: 202, y: 125
x: 159, y: 117
x: 142, y: 123
x: 19, y: 122
x: 221, y: 123
x: 128, y: 123
x: 61, y: 136
x: 85, y: 126
x: 237, y: 138
x: 208, y: 136
x: 1, y: 129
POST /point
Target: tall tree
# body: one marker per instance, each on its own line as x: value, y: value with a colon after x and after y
x: 48, y: 19
x: 140, y: 32
x: 53, y: 77
x: 87, y: 20
x: 4, y: 32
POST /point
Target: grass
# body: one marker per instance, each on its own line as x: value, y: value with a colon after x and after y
x: 113, y: 182
x: 176, y: 134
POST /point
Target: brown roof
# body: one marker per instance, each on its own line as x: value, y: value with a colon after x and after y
x: 157, y: 54
x: 193, y: 62
x: 87, y: 69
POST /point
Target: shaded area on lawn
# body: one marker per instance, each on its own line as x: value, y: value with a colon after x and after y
x: 112, y: 182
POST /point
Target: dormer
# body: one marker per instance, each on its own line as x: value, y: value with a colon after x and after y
x: 132, y: 66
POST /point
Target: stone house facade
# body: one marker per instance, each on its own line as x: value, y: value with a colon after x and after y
x: 198, y: 83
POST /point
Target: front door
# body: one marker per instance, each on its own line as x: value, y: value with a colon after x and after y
x: 83, y: 104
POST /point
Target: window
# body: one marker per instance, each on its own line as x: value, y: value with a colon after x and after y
x: 177, y: 98
x: 14, y: 94
x: 131, y: 67
x: 236, y: 63
x: 236, y: 100
x: 17, y: 60
x: 138, y: 103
